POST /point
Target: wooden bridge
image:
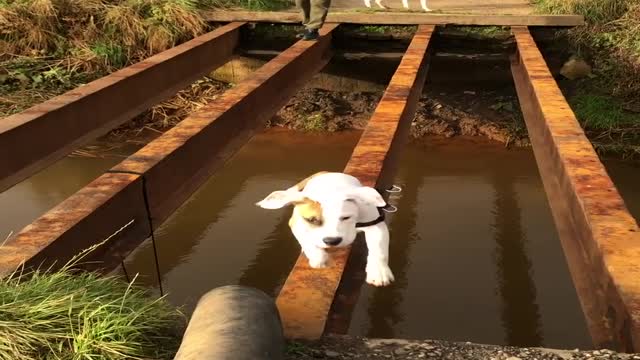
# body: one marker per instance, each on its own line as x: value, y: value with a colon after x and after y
x: 126, y: 204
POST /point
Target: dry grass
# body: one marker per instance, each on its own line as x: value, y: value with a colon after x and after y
x: 48, y: 47
x: 96, y: 33
x: 170, y: 112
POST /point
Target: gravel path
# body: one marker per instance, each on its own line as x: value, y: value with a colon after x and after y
x: 352, y: 348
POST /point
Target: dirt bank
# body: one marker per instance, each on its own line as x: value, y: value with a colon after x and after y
x: 352, y: 348
x: 488, y: 114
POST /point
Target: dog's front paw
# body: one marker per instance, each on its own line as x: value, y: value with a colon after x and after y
x: 379, y: 274
x: 318, y: 260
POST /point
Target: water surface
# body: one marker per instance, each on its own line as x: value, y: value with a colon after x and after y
x: 473, y: 245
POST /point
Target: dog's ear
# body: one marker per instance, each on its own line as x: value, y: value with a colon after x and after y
x: 280, y: 198
x: 368, y: 195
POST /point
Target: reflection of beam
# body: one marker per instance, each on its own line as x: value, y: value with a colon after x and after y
x: 601, y: 240
x: 383, y: 309
x: 192, y: 225
x: 173, y: 166
x: 44, y: 133
x: 520, y: 313
x: 305, y: 300
x: 385, y: 300
x: 266, y: 272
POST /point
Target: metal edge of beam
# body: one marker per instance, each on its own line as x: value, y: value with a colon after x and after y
x: 600, y: 239
x: 400, y: 18
x: 170, y: 169
x: 305, y: 299
x: 46, y: 132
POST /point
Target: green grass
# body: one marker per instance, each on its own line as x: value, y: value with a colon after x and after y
x: 600, y: 112
x: 315, y: 122
x: 386, y: 29
x: 611, y: 39
x: 78, y: 315
x: 483, y: 31
x: 269, y: 5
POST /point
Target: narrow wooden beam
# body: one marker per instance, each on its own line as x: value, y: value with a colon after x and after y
x: 44, y: 133
x: 166, y: 171
x: 601, y: 240
x: 308, y: 294
x: 400, y: 18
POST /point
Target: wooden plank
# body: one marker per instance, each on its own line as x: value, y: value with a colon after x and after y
x: 308, y: 294
x: 44, y: 133
x: 400, y: 18
x: 601, y: 240
x: 171, y: 168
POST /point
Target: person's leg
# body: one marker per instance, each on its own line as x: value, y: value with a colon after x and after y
x: 305, y: 9
x: 319, y: 11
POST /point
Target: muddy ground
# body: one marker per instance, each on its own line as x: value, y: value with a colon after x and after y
x: 353, y: 348
x: 470, y: 113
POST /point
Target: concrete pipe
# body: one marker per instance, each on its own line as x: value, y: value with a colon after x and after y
x: 233, y: 322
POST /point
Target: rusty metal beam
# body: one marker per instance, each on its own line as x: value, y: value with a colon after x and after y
x: 170, y: 168
x: 307, y: 295
x: 600, y: 238
x: 44, y: 133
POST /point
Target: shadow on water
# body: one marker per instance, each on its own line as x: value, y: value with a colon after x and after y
x: 520, y: 312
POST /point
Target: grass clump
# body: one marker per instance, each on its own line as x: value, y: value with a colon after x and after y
x: 602, y: 112
x: 611, y: 39
x: 96, y: 34
x: 482, y: 32
x: 79, y: 315
x: 48, y: 47
x: 271, y: 5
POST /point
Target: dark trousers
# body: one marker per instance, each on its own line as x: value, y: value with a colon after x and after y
x: 314, y: 12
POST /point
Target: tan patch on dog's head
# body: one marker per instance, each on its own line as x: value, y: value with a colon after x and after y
x: 308, y: 211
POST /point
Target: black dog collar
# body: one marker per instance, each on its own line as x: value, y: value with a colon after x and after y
x: 372, y: 222
x: 379, y: 219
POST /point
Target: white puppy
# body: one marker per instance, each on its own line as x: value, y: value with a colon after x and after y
x: 405, y: 3
x: 329, y: 209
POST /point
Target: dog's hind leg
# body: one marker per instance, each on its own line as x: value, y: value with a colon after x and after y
x: 405, y: 4
x: 378, y: 271
x: 423, y: 3
x: 380, y: 4
x: 367, y: 3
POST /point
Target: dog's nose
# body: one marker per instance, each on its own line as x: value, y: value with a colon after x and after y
x: 332, y: 241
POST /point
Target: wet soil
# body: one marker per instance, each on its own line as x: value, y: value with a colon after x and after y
x: 490, y: 114
x: 356, y: 348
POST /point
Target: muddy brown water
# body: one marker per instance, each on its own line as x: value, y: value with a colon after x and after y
x: 474, y: 248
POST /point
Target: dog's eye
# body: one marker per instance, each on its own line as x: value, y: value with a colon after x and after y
x: 345, y: 218
x: 313, y: 220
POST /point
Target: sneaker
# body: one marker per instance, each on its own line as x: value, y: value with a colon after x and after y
x: 311, y: 34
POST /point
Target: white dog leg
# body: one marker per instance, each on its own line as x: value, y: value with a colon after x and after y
x: 318, y: 258
x: 379, y: 3
x: 367, y: 3
x: 423, y: 3
x: 378, y: 271
x: 405, y: 3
